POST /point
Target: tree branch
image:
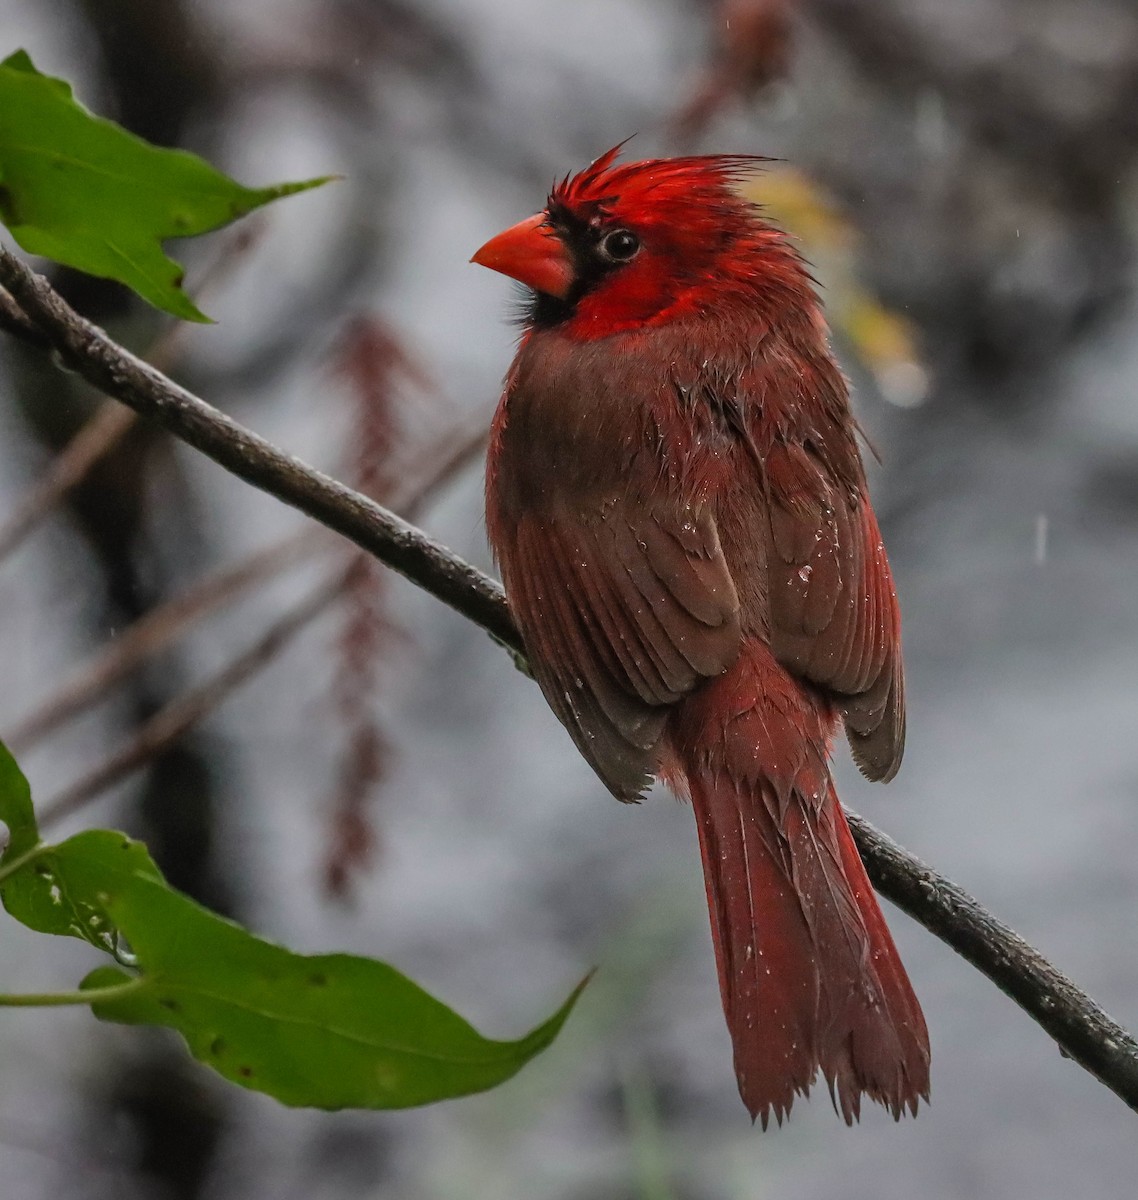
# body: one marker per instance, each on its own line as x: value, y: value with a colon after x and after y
x: 1083, y: 1031
x: 155, y: 630
x: 104, y: 429
x: 172, y: 721
x: 88, y: 351
x: 13, y: 321
x: 109, y: 423
x: 1081, y: 1028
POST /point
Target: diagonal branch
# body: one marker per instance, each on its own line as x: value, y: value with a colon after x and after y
x: 184, y: 712
x: 110, y: 422
x: 96, y: 438
x: 1083, y: 1031
x: 419, y: 482
x: 1080, y: 1027
x: 153, y: 632
x: 88, y: 351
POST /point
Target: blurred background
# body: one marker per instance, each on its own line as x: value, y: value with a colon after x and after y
x: 309, y: 744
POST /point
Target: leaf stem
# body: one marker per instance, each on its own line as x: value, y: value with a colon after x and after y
x: 61, y: 999
x: 18, y: 864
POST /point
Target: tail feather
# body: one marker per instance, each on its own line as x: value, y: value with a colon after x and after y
x: 771, y: 990
x: 808, y: 972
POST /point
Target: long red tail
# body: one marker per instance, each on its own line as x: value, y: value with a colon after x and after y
x: 809, y: 974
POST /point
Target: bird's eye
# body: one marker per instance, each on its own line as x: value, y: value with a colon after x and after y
x: 620, y: 245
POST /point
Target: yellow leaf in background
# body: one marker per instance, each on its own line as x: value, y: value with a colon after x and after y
x: 883, y: 341
x: 796, y: 203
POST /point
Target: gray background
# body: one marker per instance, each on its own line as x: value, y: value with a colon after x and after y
x: 986, y: 154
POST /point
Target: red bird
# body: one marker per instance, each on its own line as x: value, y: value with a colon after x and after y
x: 676, y: 500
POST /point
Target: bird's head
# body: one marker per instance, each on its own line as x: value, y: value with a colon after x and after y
x: 621, y: 245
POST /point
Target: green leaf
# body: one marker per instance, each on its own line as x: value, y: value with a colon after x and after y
x: 83, y: 191
x: 62, y: 891
x: 56, y: 890
x: 326, y: 1031
x: 16, y: 808
x: 322, y: 1031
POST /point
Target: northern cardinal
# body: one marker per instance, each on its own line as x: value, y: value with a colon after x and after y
x: 677, y: 503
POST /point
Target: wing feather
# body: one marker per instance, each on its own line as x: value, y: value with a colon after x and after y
x: 635, y: 666
x: 624, y: 609
x: 833, y: 610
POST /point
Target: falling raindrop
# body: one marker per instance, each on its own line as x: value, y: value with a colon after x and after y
x: 1042, y: 530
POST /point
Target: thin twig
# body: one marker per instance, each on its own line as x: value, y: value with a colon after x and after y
x: 1082, y: 1030
x: 173, y: 720
x: 152, y: 633
x: 462, y: 449
x: 102, y: 430
x: 156, y: 630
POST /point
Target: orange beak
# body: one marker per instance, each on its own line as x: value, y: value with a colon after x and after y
x: 532, y: 254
